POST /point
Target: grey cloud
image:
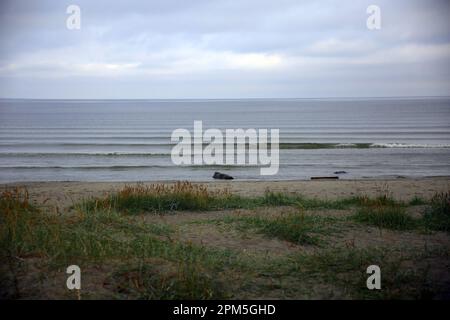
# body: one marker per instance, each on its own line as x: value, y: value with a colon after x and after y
x: 223, y: 49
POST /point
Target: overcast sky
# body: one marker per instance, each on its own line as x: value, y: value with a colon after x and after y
x: 224, y: 49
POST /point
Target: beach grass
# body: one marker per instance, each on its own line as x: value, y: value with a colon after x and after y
x: 346, y: 270
x: 159, y: 198
x: 148, y: 259
x: 158, y: 280
x: 183, y: 196
x: 101, y: 236
x: 385, y: 216
x: 293, y: 227
x: 391, y: 215
x: 417, y: 201
x: 437, y: 217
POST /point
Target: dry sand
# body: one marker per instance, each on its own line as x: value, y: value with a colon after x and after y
x: 64, y: 194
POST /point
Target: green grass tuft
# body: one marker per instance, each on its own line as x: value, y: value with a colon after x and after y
x: 153, y: 281
x: 417, y: 201
x: 389, y: 217
x: 293, y: 227
x: 158, y: 198
x: 438, y: 216
x: 345, y: 268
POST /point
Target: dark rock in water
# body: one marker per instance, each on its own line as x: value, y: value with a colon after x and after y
x: 218, y: 175
x: 340, y: 172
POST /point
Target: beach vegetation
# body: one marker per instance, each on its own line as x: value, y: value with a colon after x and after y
x: 101, y: 237
x: 133, y: 255
x: 417, y: 201
x: 382, y: 216
x: 184, y: 196
x: 437, y: 217
x: 294, y: 227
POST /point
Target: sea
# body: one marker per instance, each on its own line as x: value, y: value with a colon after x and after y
x: 130, y: 140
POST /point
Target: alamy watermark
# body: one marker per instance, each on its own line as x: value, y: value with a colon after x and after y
x: 73, y: 22
x: 74, y: 279
x: 374, y: 280
x: 373, y: 22
x: 242, y: 147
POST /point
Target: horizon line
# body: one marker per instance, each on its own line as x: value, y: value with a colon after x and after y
x: 229, y: 99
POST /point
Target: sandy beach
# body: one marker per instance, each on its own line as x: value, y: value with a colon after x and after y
x: 64, y: 194
x: 313, y: 250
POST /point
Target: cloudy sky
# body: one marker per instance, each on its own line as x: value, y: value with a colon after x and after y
x: 224, y: 49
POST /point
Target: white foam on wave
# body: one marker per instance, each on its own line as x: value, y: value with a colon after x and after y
x: 346, y: 145
x: 408, y: 145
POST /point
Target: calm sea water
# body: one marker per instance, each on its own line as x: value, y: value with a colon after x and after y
x: 126, y: 140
